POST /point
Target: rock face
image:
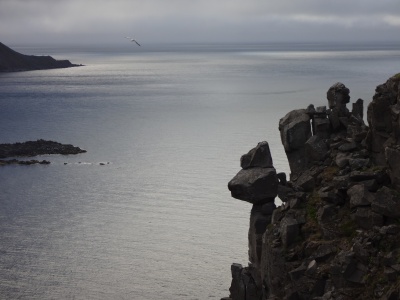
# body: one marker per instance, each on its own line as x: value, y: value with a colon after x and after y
x: 337, y: 233
x: 11, y: 61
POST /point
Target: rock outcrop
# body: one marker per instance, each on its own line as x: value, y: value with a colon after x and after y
x: 337, y: 233
x: 11, y: 61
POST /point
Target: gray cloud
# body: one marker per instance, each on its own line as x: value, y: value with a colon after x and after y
x: 198, y: 20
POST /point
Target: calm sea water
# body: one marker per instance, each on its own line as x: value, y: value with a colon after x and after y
x: 170, y: 123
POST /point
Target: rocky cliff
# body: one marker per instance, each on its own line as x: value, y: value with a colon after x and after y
x: 337, y: 233
x: 11, y: 61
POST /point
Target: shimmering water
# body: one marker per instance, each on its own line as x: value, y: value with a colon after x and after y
x: 157, y: 220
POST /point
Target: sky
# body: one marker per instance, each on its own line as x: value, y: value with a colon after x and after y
x: 198, y: 21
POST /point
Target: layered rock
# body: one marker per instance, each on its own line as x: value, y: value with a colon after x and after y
x: 337, y: 233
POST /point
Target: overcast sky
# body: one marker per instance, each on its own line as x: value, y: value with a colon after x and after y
x: 176, y: 21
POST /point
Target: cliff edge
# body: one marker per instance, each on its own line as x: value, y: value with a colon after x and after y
x: 11, y: 61
x: 337, y: 233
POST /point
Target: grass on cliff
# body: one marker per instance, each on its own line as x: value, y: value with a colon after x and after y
x: 329, y: 172
x: 311, y: 228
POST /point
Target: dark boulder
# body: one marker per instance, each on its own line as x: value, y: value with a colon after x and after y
x: 255, y: 185
x: 260, y: 156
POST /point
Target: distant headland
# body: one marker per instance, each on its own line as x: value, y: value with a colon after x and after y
x: 12, y: 61
x: 34, y: 148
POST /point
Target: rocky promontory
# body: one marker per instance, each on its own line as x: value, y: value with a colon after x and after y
x: 11, y: 61
x: 337, y: 233
x: 34, y: 148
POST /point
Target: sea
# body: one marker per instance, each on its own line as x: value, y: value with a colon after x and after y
x: 146, y: 213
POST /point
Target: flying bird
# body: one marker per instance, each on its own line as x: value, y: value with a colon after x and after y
x: 132, y: 40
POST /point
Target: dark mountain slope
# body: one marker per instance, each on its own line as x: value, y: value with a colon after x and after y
x: 11, y: 61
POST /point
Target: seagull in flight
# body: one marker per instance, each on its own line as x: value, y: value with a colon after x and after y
x: 132, y: 40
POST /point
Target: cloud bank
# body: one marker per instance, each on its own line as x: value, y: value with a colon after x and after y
x: 180, y: 21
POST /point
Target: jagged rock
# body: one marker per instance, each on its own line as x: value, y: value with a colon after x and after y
x: 295, y: 130
x: 356, y: 275
x: 358, y: 163
x: 356, y: 133
x: 260, y: 156
x: 338, y: 96
x: 321, y: 127
x: 273, y: 268
x: 320, y: 122
x: 349, y: 146
x: 382, y: 127
x: 344, y: 121
x: 323, y: 252
x: 255, y: 185
x: 390, y: 229
x: 336, y: 234
x: 282, y: 178
x: 289, y: 230
x: 358, y: 109
x: 268, y: 208
x: 347, y: 269
x: 237, y: 289
x: 285, y: 193
x: 342, y: 159
x: 359, y: 196
x: 393, y: 161
x: 363, y: 175
x: 311, y: 268
x: 258, y: 225
x: 316, y: 149
x: 331, y: 196
x: 277, y: 215
x: 253, y: 291
x: 393, y: 293
x: 321, y: 111
x: 306, y: 182
x: 333, y: 116
x: 367, y: 219
x: 386, y: 203
x: 326, y: 216
x: 311, y: 110
x: 297, y: 273
x: 295, y: 203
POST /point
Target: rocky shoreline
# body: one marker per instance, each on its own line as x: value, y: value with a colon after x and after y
x: 337, y: 233
x: 34, y: 148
